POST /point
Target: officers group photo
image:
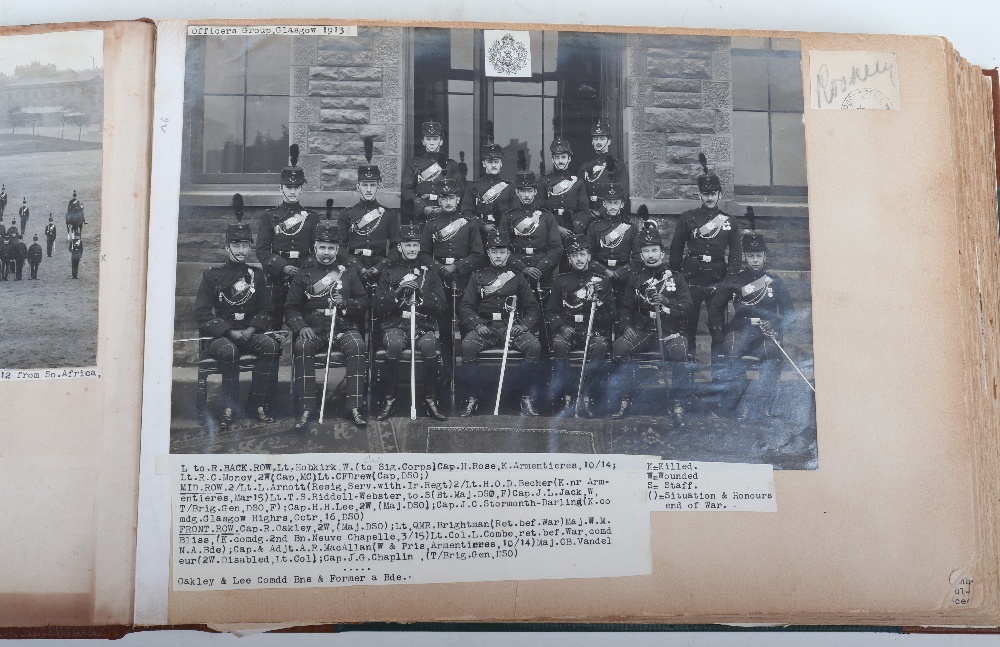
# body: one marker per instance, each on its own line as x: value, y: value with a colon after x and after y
x: 426, y: 256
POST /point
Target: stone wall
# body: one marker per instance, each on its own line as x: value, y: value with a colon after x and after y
x: 343, y: 89
x: 679, y: 103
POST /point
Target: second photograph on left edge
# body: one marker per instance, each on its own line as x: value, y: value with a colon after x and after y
x: 51, y: 133
x: 488, y: 240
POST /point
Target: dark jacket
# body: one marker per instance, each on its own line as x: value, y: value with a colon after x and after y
x: 484, y: 299
x: 232, y: 295
x: 308, y: 301
x: 637, y: 311
x: 285, y: 235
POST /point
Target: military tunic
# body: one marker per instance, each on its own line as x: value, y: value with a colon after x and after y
x: 418, y: 190
x: 702, y: 237
x: 24, y: 212
x: 234, y: 296
x: 565, y: 195
x: 393, y: 311
x: 595, y: 175
x: 573, y: 294
x: 487, y: 200
x: 3, y: 202
x: 486, y: 299
x: 285, y: 236
x: 308, y: 304
x: 369, y: 233
x: 75, y: 254
x: 535, y: 239
x: 34, y: 259
x: 6, y: 256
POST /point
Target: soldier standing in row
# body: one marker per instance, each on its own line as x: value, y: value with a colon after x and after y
x: 285, y: 236
x: 321, y: 289
x: 534, y: 238
x: 419, y: 177
x: 574, y: 294
x: 702, y: 238
x: 34, y: 258
x: 6, y: 256
x: 3, y: 199
x: 489, y: 197
x: 12, y: 230
x: 491, y: 295
x: 656, y: 301
x: 233, y: 307
x: 451, y: 245
x: 403, y: 284
x: 50, y: 236
x: 75, y: 253
x: 763, y: 312
x: 369, y: 231
x: 24, y: 212
x: 613, y: 237
x: 603, y: 168
x: 20, y: 255
x: 565, y: 195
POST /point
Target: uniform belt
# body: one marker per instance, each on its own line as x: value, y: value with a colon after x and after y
x: 594, y: 198
x: 360, y: 251
x: 535, y: 251
x: 288, y: 254
x: 706, y: 258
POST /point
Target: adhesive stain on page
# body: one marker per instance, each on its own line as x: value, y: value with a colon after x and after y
x: 853, y: 80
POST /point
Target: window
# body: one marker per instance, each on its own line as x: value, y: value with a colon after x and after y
x: 768, y: 133
x: 237, y: 108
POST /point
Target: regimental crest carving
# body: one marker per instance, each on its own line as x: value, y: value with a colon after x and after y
x: 507, y: 54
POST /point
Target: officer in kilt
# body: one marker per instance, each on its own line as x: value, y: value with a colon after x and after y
x: 489, y: 197
x: 702, y: 239
x: 656, y: 302
x: 233, y: 307
x: 485, y: 314
x: 369, y: 231
x: 613, y: 238
x: 603, y: 168
x: 285, y: 235
x: 321, y: 286
x: 534, y: 236
x: 763, y: 312
x: 450, y: 244
x: 418, y: 191
x: 568, y: 314
x: 400, y: 284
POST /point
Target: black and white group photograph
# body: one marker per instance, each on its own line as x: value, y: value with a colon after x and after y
x: 51, y: 112
x: 406, y: 239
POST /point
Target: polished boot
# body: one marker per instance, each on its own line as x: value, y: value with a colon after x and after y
x: 585, y: 411
x: 622, y: 409
x: 302, y: 424
x: 471, y: 406
x: 227, y: 419
x: 567, y: 407
x: 260, y: 415
x: 357, y: 417
x: 528, y: 407
x: 386, y: 412
x: 431, y: 407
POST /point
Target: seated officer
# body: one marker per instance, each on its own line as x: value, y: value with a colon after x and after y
x: 369, y: 231
x: 656, y: 301
x: 285, y: 234
x: 234, y: 308
x: 763, y: 311
x: 450, y: 244
x: 533, y: 234
x: 320, y: 286
x: 489, y: 197
x: 574, y: 294
x: 485, y: 314
x: 401, y: 283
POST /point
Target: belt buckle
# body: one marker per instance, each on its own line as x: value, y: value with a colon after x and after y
x: 406, y: 314
x: 612, y: 262
x: 238, y: 316
x: 706, y: 258
x: 432, y: 196
x: 529, y: 250
x: 293, y: 254
x: 652, y: 314
x: 449, y: 260
x: 578, y: 318
x: 593, y: 198
x: 497, y: 316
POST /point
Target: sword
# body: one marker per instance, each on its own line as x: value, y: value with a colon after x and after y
x: 454, y: 326
x: 326, y: 372
x: 583, y: 364
x: 503, y: 363
x: 277, y: 333
x: 659, y: 334
x: 808, y: 383
x: 413, y: 357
